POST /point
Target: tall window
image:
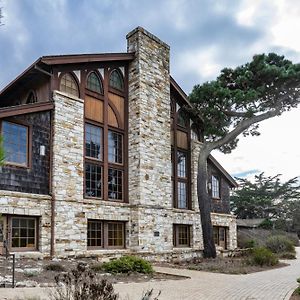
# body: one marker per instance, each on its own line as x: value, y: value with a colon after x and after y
x: 105, y: 131
x: 15, y: 143
x: 220, y: 236
x: 105, y: 234
x: 69, y: 85
x: 180, y: 158
x: 215, y: 187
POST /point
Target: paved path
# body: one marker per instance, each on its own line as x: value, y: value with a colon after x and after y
x: 276, y: 284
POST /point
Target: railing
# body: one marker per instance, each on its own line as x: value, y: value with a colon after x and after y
x: 7, y: 259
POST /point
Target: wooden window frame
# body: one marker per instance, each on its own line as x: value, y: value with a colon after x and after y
x: 216, y: 229
x: 174, y: 150
x: 218, y: 178
x: 122, y: 78
x: 9, y: 233
x: 96, y: 72
x: 72, y: 74
x: 104, y: 235
x: 176, y: 235
x: 106, y: 164
x: 28, y: 145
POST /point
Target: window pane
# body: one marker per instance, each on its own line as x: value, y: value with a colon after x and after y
x: 181, y: 164
x: 94, y: 83
x: 115, y: 147
x: 93, y: 141
x: 116, y: 80
x: 94, y: 233
x: 93, y: 180
x: 215, y: 187
x: 23, y: 232
x: 115, y: 234
x: 182, y: 235
x: 15, y: 144
x: 182, y: 195
x: 69, y: 85
x: 115, y: 184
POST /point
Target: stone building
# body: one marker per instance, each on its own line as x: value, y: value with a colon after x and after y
x: 101, y: 160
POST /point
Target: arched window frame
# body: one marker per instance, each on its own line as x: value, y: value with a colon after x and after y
x: 74, y: 77
x: 31, y: 95
x: 99, y: 77
x: 121, y: 77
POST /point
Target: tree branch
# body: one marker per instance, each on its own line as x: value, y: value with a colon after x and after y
x: 242, y: 126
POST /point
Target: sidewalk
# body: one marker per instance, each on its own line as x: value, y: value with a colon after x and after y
x: 275, y: 284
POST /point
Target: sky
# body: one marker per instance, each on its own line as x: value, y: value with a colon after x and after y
x: 204, y: 35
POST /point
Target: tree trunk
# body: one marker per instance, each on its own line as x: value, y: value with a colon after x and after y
x: 205, y: 207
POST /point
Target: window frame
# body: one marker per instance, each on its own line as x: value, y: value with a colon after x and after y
x: 104, y: 234
x: 216, y: 235
x: 98, y: 75
x: 72, y: 74
x: 215, y: 178
x: 176, y: 239
x: 121, y: 77
x: 9, y: 219
x: 28, y: 143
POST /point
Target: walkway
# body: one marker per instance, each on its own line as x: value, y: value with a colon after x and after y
x: 276, y: 284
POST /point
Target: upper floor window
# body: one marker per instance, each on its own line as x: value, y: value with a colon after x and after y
x: 15, y: 143
x: 31, y: 98
x: 215, y: 186
x: 94, y: 83
x: 69, y: 85
x: 116, y: 80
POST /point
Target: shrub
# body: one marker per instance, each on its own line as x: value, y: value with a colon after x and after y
x: 128, y: 264
x: 82, y: 283
x: 55, y: 267
x: 280, y: 244
x: 287, y: 255
x: 262, y: 256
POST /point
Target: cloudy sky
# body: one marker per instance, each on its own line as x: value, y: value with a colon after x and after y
x: 204, y: 35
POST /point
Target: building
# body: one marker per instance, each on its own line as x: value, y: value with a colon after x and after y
x: 91, y: 142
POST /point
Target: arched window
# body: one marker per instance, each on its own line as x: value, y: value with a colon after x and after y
x: 31, y: 98
x: 69, y: 85
x: 94, y: 83
x: 116, y: 80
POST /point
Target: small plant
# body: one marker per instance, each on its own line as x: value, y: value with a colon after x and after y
x: 280, y: 244
x: 128, y: 264
x: 262, y: 256
x: 82, y: 284
x: 250, y: 244
x: 55, y: 267
x: 298, y: 288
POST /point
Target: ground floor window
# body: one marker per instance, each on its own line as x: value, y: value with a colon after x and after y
x: 220, y: 236
x: 19, y: 232
x: 105, y: 234
x: 181, y: 235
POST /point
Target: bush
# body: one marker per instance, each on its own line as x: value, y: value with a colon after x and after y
x: 287, y: 255
x: 262, y: 256
x: 82, y: 283
x: 55, y: 267
x: 280, y: 244
x: 128, y: 264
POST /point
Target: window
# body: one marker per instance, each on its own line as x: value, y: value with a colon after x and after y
x: 22, y: 233
x: 115, y: 184
x: 115, y: 148
x: 69, y: 85
x: 181, y: 235
x: 116, y: 80
x: 215, y: 187
x: 105, y: 234
x: 94, y: 83
x: 93, y: 180
x: 31, y: 98
x: 220, y: 236
x: 93, y: 141
x: 15, y: 143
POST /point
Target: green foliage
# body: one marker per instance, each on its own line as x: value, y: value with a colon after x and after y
x: 55, y: 267
x: 2, y: 153
x: 262, y: 256
x: 267, y: 83
x: 128, y: 264
x: 267, y: 197
x: 287, y: 255
x: 266, y: 224
x: 280, y: 244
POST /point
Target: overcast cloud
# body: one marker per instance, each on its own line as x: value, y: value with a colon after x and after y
x: 204, y: 36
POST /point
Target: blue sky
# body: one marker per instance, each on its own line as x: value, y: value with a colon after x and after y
x: 204, y: 36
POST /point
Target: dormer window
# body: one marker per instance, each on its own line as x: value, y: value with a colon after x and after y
x: 94, y: 83
x: 69, y: 85
x: 116, y: 80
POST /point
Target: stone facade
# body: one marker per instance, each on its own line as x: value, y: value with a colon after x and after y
x: 149, y: 215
